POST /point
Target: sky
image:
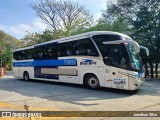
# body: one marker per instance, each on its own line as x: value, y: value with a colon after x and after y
x: 17, y: 17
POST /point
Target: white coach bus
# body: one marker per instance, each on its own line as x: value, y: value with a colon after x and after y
x: 99, y: 58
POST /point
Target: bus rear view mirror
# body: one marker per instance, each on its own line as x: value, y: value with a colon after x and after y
x: 146, y: 50
x: 107, y: 60
x: 135, y: 44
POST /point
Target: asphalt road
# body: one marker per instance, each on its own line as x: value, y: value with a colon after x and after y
x: 19, y: 95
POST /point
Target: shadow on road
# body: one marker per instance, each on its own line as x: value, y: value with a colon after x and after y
x: 70, y: 92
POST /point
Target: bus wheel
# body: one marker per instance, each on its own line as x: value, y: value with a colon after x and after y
x: 26, y: 76
x: 92, y: 81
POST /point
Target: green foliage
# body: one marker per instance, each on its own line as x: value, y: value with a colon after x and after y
x: 139, y: 19
x: 118, y: 25
x: 144, y: 18
x: 7, y: 45
x: 36, y: 38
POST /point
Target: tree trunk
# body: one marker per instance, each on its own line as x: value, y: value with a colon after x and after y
x: 146, y: 70
x: 156, y: 70
x: 151, y: 69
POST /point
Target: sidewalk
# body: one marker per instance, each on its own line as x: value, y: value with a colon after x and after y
x: 8, y: 75
x: 150, y: 79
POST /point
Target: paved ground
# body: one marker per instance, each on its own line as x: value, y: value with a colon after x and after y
x: 16, y: 94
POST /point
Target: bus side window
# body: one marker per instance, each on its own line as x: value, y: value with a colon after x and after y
x: 15, y: 55
x: 50, y: 52
x: 61, y: 50
x: 64, y: 49
x: 76, y: 45
x: 117, y: 56
x: 84, y: 47
x: 99, y: 39
x: 30, y: 54
x: 53, y: 53
x: 46, y: 52
x: 38, y: 53
x: 21, y: 55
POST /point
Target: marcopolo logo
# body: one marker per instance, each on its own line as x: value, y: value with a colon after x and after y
x: 88, y: 62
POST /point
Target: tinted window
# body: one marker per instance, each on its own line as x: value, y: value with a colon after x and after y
x: 20, y: 55
x: 52, y: 52
x: 117, y: 56
x: 79, y: 47
x: 15, y: 55
x: 38, y: 53
x: 65, y: 49
x: 99, y: 39
x: 30, y: 53
x: 84, y: 47
x: 49, y: 52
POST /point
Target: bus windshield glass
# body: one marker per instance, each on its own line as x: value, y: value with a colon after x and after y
x: 135, y: 60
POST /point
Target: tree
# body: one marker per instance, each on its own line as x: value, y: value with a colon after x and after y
x: 144, y: 18
x: 36, y: 38
x: 61, y: 15
x: 7, y: 45
x: 118, y: 25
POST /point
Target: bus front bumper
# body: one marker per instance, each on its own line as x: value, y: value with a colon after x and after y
x: 138, y: 82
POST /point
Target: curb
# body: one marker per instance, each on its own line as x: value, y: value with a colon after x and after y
x: 152, y: 79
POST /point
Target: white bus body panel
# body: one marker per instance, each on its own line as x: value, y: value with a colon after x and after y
x: 95, y: 65
x: 19, y: 71
x: 120, y: 78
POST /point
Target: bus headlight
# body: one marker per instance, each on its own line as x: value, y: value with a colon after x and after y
x: 140, y: 76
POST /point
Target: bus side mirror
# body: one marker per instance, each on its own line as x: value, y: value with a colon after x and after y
x: 146, y: 50
x: 107, y: 60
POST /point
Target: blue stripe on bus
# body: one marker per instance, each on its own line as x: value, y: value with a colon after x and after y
x: 61, y: 62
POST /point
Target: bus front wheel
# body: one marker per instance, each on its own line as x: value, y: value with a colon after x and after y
x: 91, y: 81
x: 26, y: 76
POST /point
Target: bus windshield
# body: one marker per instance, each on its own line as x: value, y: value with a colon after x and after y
x: 135, y: 60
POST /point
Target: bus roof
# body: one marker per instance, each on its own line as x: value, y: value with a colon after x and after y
x: 78, y: 36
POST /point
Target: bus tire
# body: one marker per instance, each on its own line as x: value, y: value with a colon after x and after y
x: 91, y: 81
x: 26, y: 76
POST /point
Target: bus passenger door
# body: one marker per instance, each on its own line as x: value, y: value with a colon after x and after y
x: 119, y: 65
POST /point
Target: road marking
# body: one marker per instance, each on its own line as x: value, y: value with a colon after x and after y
x: 34, y: 118
x: 8, y: 105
